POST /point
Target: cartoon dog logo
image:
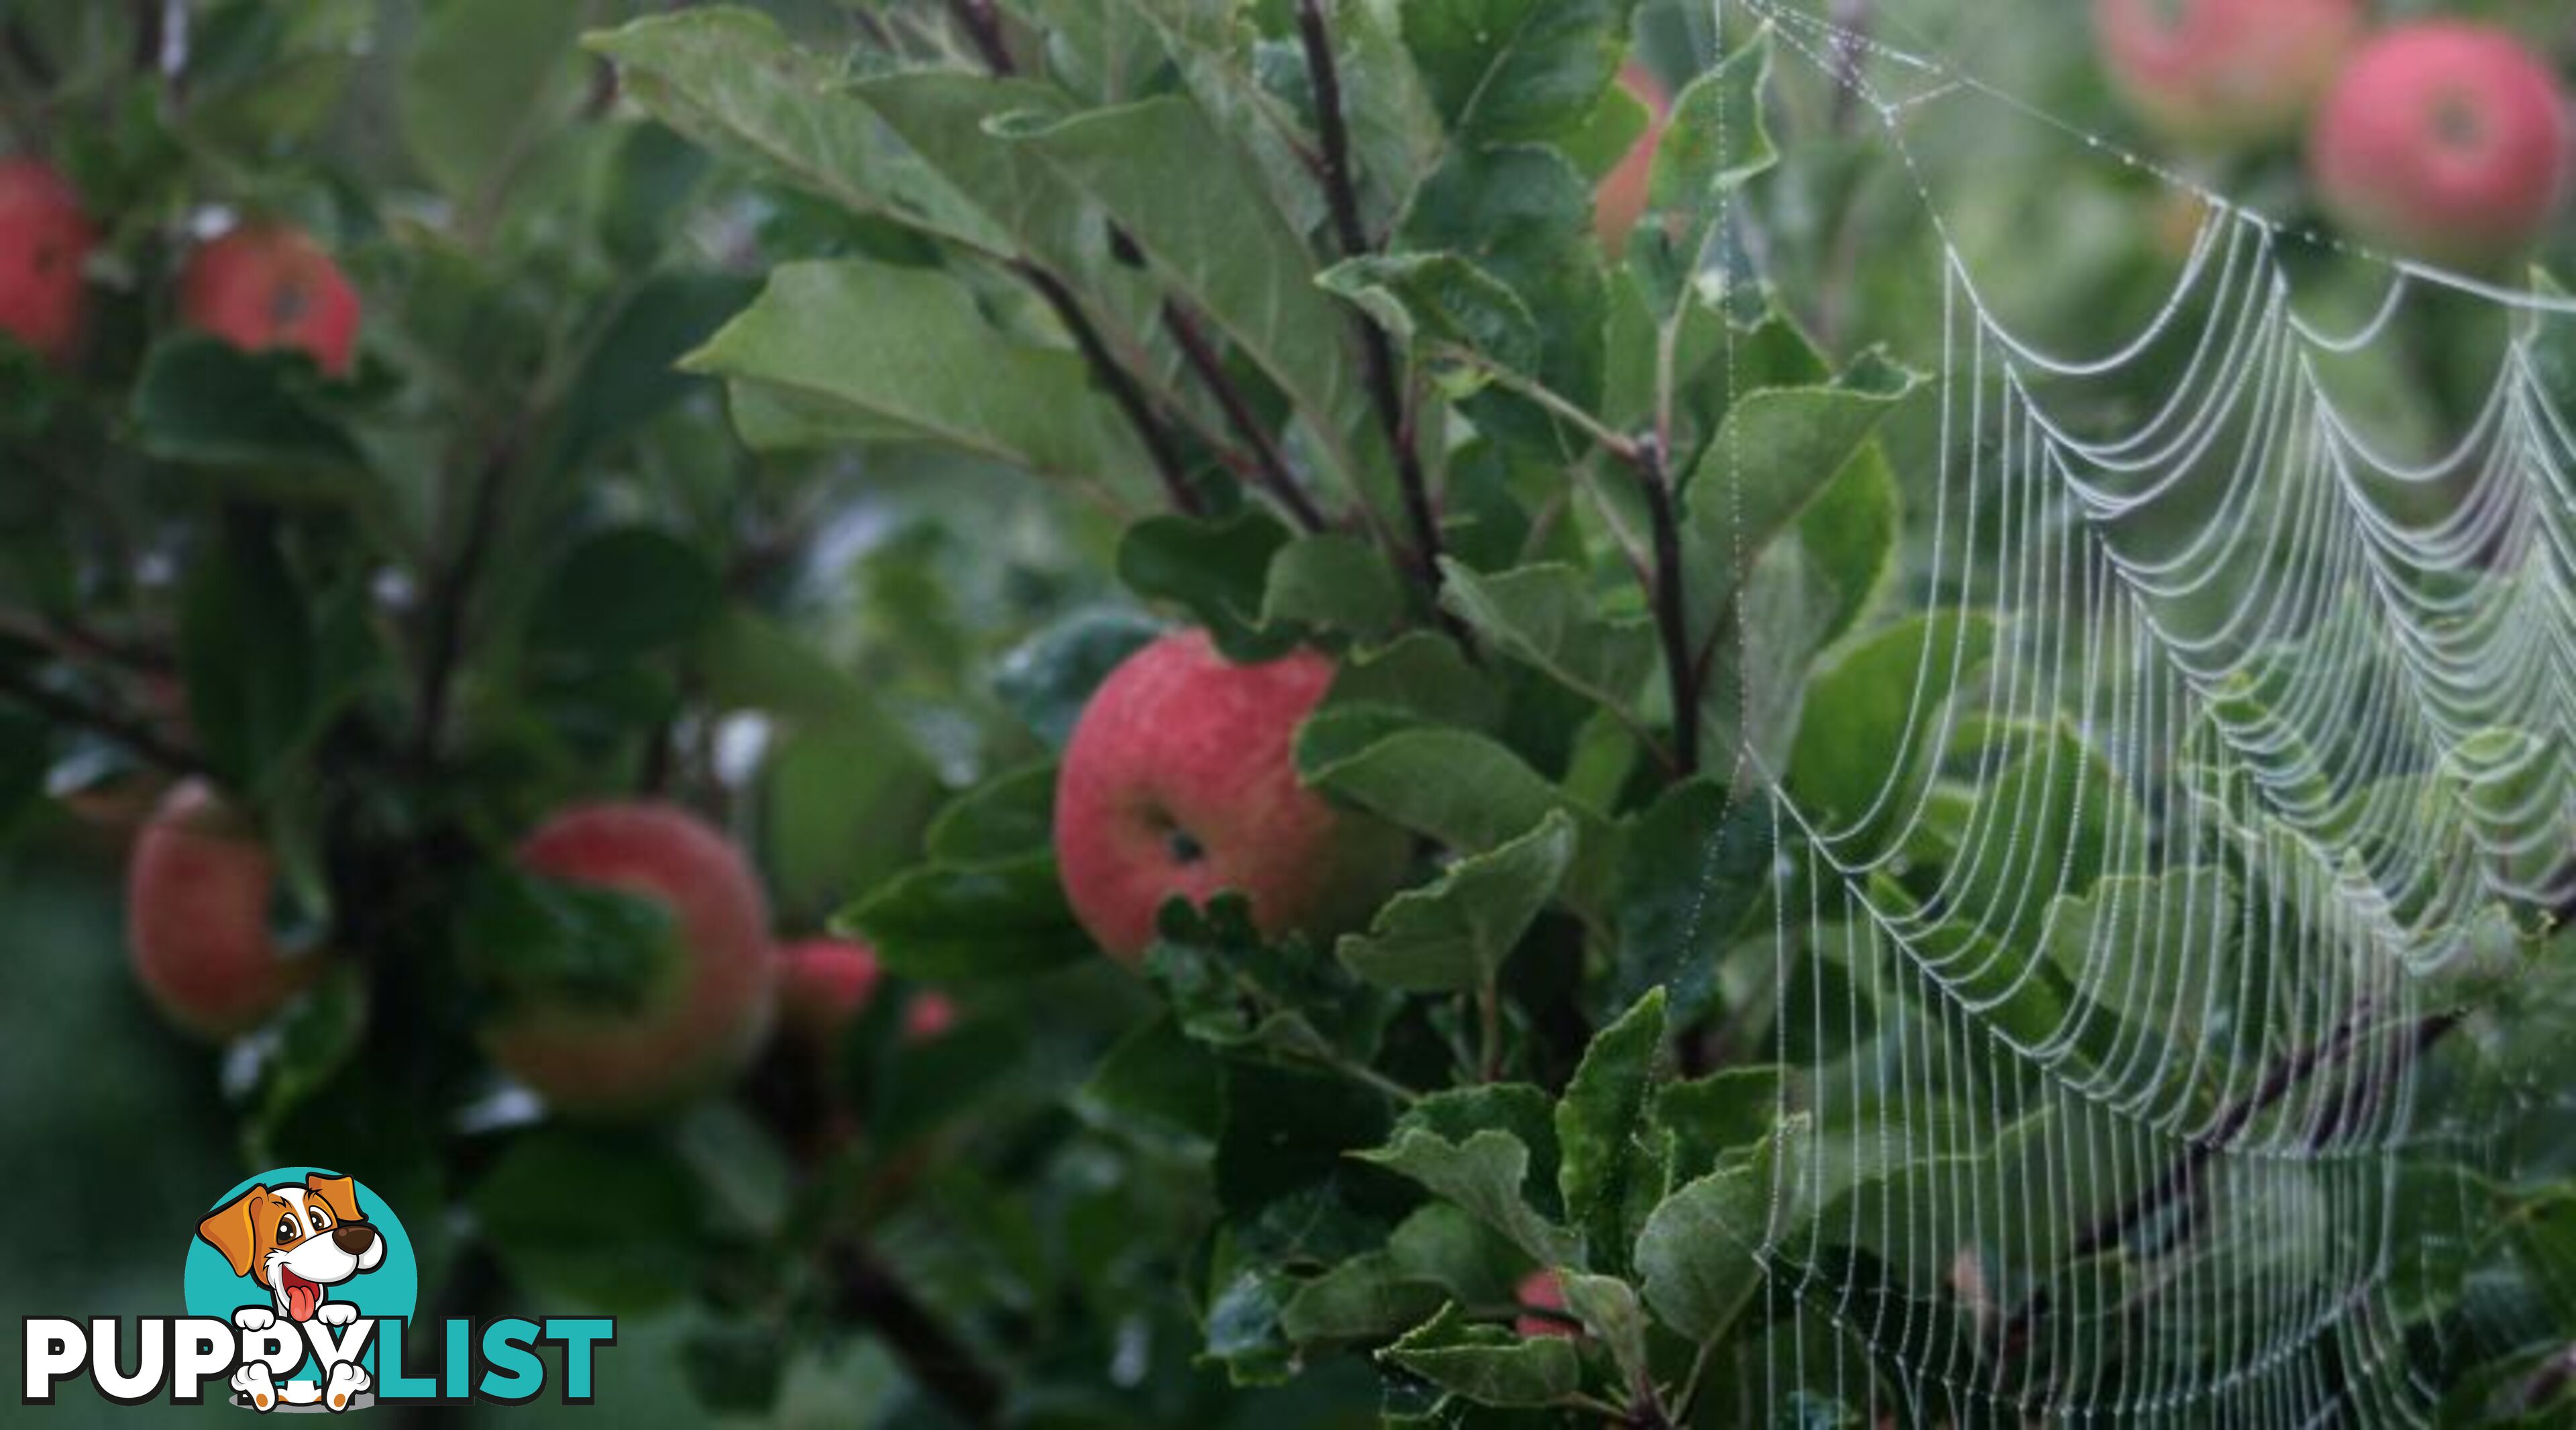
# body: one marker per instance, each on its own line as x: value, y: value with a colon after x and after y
x: 297, y: 1242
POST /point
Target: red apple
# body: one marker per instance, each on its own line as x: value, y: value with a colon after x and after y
x: 2225, y: 73
x: 1543, y: 1291
x: 2445, y: 141
x: 707, y: 1004
x: 198, y: 892
x: 822, y: 984
x: 44, y: 241
x: 1180, y: 780
x: 265, y: 286
x: 928, y: 1016
x: 1620, y: 200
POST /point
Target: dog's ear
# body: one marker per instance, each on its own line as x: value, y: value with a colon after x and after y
x: 229, y: 1230
x: 340, y: 1194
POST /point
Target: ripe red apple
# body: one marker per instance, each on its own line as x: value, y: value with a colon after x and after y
x: 823, y: 983
x: 198, y: 891
x: 2225, y: 73
x: 2445, y: 141
x: 706, y: 1006
x: 1620, y: 200
x: 1542, y: 1290
x: 265, y: 286
x: 44, y: 241
x: 1180, y: 780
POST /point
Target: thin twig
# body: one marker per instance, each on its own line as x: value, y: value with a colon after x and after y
x: 1120, y: 385
x: 1210, y: 370
x: 1377, y: 352
x: 983, y: 25
x: 1671, y: 605
x: 73, y: 711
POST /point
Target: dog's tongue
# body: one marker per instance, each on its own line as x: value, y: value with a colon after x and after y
x: 302, y: 1296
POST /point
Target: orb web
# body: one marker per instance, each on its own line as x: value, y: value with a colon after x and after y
x: 2133, y: 997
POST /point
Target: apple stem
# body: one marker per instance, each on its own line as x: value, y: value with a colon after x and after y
x: 1386, y: 394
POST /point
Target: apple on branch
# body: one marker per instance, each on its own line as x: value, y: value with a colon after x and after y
x: 1181, y: 781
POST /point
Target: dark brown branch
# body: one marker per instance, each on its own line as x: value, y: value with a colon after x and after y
x: 1210, y: 369
x: 1386, y: 395
x: 983, y: 25
x: 865, y: 1290
x: 80, y: 714
x: 1120, y: 385
x: 451, y: 596
x: 1672, y: 608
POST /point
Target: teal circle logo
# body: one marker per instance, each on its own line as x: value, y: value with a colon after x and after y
x: 312, y: 1250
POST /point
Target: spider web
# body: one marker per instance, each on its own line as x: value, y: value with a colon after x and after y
x: 2236, y: 768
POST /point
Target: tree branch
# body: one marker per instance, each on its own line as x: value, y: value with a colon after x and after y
x: 983, y: 25
x: 1267, y: 464
x: 1120, y: 385
x: 1377, y: 353
x: 452, y: 593
x: 70, y: 710
x: 865, y: 1290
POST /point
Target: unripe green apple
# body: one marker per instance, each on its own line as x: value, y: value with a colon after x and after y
x: 2444, y: 141
x: 44, y: 241
x: 1620, y: 200
x: 2225, y: 73
x: 1180, y: 780
x: 266, y: 286
x: 198, y: 893
x: 706, y: 1005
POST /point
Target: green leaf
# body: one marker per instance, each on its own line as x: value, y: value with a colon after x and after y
x: 1716, y: 138
x: 1609, y: 1309
x: 1484, y: 1175
x: 1001, y: 820
x: 1047, y: 679
x: 623, y: 593
x: 1180, y: 189
x: 1421, y: 674
x: 1524, y: 1110
x: 1610, y: 1160
x: 1869, y: 715
x: 1850, y: 533
x: 841, y: 807
x: 1443, y: 308
x: 947, y: 117
x: 598, y: 1220
x: 907, y: 346
x: 200, y: 400
x: 1215, y: 570
x: 1289, y: 1128
x: 1159, y: 1084
x: 630, y: 375
x: 1488, y: 1364
x: 481, y: 85
x: 944, y: 925
x: 1369, y: 1297
x: 1694, y: 868
x: 1232, y: 989
x: 1507, y: 71
x: 1775, y: 455
x: 1455, y: 935
x: 1335, y: 581
x: 1461, y: 788
x: 1523, y: 216
x: 1546, y: 617
x: 1699, y: 1253
x: 545, y: 940
x: 730, y: 80
x: 1721, y: 1113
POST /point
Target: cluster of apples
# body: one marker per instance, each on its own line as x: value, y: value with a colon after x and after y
x: 2439, y: 140
x: 258, y: 286
x: 200, y: 886
x: 1179, y: 781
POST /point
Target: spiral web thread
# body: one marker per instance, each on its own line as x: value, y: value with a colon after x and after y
x: 2119, y: 1037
